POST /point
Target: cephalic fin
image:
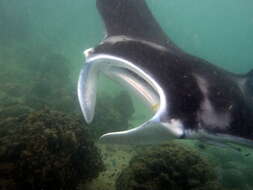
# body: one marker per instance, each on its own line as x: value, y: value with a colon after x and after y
x: 87, y: 84
x: 150, y: 132
x: 115, y: 66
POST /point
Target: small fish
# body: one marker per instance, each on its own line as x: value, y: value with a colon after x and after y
x: 190, y: 97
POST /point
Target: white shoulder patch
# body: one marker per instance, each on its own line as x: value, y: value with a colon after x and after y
x: 207, y: 114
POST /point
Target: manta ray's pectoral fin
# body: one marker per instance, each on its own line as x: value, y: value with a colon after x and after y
x: 133, y: 19
x: 151, y: 132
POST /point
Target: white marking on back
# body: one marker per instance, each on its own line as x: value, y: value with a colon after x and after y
x: 207, y: 114
x: 122, y: 38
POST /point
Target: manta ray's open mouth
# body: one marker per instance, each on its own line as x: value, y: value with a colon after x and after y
x: 133, y: 77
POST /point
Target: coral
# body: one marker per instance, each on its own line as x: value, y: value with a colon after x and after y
x: 168, y: 167
x: 46, y: 150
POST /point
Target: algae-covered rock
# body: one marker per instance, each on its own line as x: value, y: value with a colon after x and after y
x: 46, y: 150
x: 168, y: 167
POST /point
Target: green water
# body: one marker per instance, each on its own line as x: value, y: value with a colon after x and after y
x: 33, y: 33
x: 219, y: 31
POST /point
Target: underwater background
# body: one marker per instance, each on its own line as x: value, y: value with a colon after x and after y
x: 44, y: 141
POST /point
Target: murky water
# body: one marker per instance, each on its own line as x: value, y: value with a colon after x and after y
x: 41, y: 54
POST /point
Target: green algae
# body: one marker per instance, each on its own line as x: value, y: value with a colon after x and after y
x: 170, y: 166
x: 46, y: 150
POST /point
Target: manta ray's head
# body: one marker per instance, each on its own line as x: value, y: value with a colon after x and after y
x: 133, y: 77
x: 129, y: 22
x: 178, y: 87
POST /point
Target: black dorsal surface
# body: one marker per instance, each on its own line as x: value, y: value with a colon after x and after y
x: 201, y: 94
x: 132, y: 18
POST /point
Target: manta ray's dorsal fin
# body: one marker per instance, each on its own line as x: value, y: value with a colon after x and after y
x: 132, y: 19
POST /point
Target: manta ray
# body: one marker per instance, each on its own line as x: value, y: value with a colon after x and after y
x: 191, y: 98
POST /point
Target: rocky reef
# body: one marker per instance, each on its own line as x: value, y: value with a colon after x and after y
x: 46, y: 150
x: 168, y: 167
